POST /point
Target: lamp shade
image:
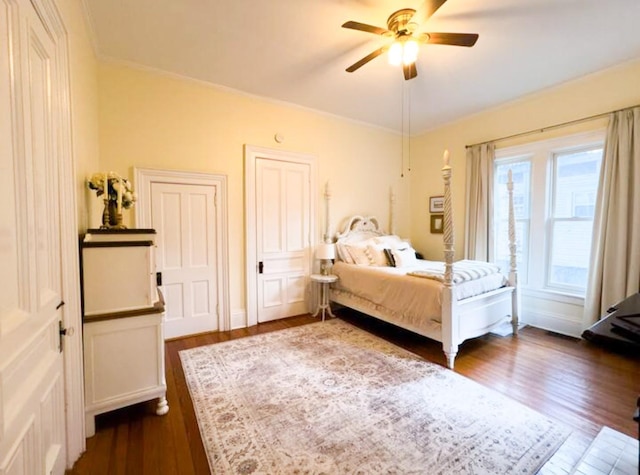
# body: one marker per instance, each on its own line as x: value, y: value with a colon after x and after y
x: 410, y: 52
x: 325, y: 251
x: 395, y: 54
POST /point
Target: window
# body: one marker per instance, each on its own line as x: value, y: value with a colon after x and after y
x: 555, y: 188
x: 574, y: 187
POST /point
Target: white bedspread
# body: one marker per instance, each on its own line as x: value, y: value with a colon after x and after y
x: 415, y: 298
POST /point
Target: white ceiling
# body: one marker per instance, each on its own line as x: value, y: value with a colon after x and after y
x: 296, y: 51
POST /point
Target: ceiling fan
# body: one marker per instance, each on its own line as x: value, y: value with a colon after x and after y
x: 402, y: 26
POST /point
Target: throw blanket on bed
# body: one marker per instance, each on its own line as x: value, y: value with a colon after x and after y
x: 463, y: 271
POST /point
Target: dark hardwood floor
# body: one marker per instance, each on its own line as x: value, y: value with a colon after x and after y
x: 573, y: 381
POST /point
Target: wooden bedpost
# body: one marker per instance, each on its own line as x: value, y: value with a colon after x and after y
x: 449, y: 327
x: 326, y: 238
x: 513, y: 268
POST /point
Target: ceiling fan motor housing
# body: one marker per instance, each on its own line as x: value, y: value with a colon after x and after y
x: 399, y: 22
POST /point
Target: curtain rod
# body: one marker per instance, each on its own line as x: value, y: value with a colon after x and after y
x: 553, y: 127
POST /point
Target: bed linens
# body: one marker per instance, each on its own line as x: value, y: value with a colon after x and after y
x: 463, y: 271
x: 419, y: 299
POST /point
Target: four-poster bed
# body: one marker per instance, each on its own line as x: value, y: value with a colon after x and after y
x: 448, y: 302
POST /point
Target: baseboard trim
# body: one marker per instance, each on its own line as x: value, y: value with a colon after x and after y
x: 553, y: 322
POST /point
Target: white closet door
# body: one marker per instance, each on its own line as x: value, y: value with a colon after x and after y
x: 184, y: 217
x: 283, y: 226
x: 32, y: 383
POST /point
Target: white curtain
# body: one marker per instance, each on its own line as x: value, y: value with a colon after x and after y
x: 479, y: 201
x: 615, y: 254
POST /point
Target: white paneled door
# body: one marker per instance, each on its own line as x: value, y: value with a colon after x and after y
x: 184, y: 216
x: 283, y: 217
x: 32, y: 383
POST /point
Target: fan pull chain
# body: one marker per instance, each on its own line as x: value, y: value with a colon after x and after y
x: 402, y: 130
x: 402, y: 135
x: 409, y: 126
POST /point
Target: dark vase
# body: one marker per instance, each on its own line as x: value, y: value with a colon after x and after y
x: 110, y: 215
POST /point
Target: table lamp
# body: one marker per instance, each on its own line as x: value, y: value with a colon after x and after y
x: 325, y: 252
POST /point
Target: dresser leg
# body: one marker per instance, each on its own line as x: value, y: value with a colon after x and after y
x: 163, y: 406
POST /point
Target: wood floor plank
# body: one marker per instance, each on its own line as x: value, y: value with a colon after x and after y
x: 573, y: 381
x: 120, y: 447
x: 177, y: 442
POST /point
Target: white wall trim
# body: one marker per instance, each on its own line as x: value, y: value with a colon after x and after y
x: 238, y: 319
x: 144, y: 177
x: 552, y: 322
x: 69, y: 258
x: 251, y: 154
x: 554, y: 296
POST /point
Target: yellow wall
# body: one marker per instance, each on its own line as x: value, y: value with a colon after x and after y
x: 153, y: 120
x: 83, y: 69
x: 605, y: 91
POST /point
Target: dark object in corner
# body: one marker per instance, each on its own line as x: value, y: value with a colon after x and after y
x: 627, y: 326
x: 609, y: 332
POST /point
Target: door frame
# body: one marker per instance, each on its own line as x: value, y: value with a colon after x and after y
x: 251, y: 154
x: 145, y: 177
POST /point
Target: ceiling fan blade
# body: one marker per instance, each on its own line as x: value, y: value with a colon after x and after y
x: 424, y: 12
x: 409, y: 71
x: 454, y: 39
x: 366, y: 59
x: 376, y: 30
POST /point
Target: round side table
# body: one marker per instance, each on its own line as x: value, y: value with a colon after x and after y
x: 324, y: 281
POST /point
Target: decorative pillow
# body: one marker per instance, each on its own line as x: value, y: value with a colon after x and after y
x: 358, y: 254
x: 389, y: 255
x: 344, y: 254
x: 404, y: 257
x: 376, y: 255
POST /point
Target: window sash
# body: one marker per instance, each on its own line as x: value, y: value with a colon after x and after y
x: 562, y: 252
x: 569, y: 235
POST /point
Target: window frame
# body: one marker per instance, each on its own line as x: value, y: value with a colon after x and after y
x: 551, y: 219
x: 541, y: 153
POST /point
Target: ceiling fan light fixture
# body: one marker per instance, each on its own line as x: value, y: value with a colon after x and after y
x: 403, y: 27
x: 403, y: 52
x: 410, y: 52
x: 396, y: 54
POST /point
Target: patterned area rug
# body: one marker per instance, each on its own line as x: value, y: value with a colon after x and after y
x: 329, y: 398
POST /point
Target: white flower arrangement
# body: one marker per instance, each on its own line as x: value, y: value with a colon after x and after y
x: 97, y: 181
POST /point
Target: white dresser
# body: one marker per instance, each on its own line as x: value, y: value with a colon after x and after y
x: 122, y: 331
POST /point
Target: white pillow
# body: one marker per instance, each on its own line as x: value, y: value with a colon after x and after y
x: 391, y: 241
x: 404, y: 257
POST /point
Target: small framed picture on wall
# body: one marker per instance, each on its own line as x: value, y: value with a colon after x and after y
x: 437, y: 223
x: 436, y: 204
